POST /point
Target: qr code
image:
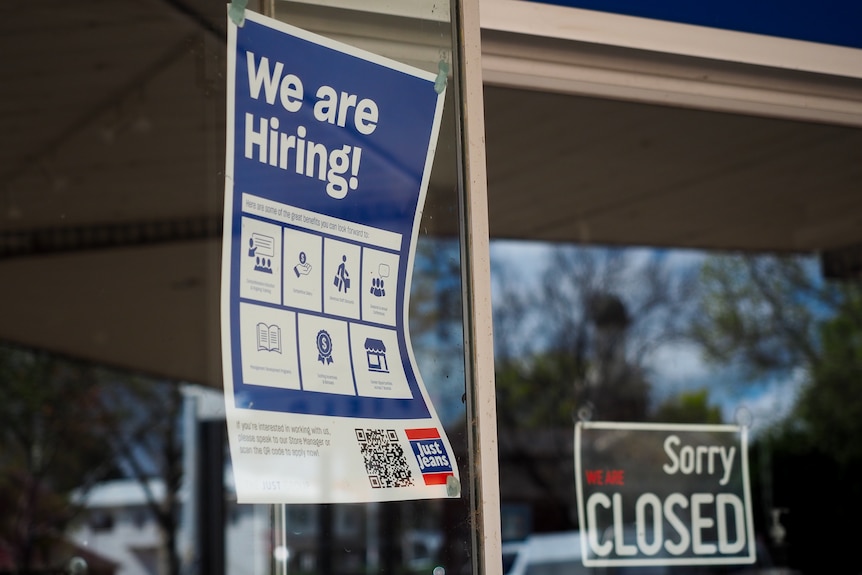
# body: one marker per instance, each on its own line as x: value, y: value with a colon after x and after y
x: 385, y: 461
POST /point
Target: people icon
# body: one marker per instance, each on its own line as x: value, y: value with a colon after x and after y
x: 262, y: 264
x: 342, y: 278
x: 303, y: 268
x: 377, y: 288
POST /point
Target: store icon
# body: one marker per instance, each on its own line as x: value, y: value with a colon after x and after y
x: 375, y: 353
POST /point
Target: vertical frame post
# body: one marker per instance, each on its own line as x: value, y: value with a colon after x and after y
x: 477, y: 297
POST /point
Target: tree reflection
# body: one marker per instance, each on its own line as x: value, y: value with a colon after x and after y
x: 775, y: 316
x: 576, y: 341
x: 66, y: 426
x: 573, y: 345
x: 51, y: 443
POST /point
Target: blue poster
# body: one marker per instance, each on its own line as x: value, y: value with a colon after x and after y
x: 329, y: 150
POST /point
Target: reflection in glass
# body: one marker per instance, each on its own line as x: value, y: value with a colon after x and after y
x: 111, y: 452
x: 673, y: 336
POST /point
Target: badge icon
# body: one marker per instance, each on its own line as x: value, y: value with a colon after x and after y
x: 324, y: 347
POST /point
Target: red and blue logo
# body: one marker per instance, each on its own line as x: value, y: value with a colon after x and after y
x: 431, y: 455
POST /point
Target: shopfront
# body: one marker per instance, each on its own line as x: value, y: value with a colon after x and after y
x: 316, y: 287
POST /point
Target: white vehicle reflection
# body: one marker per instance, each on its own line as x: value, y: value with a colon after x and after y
x: 560, y: 554
x: 549, y: 554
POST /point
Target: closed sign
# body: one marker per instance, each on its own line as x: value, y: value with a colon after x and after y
x: 656, y: 494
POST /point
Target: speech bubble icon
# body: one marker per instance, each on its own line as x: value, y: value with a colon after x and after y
x: 265, y: 245
x: 383, y: 270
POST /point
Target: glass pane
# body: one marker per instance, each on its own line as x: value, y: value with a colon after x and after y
x: 640, y: 387
x: 423, y: 535
x: 113, y: 453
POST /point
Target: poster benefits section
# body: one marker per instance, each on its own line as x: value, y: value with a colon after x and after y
x: 318, y: 314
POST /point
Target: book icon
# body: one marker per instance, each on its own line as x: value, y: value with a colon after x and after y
x: 268, y: 337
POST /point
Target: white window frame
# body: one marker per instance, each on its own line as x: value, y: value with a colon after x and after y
x: 540, y: 47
